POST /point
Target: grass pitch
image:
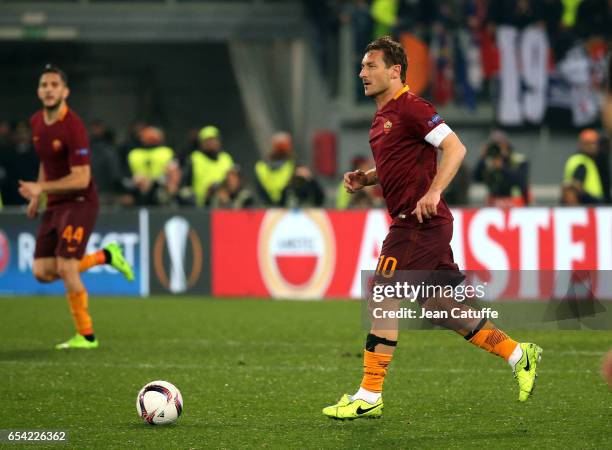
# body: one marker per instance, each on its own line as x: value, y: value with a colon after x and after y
x: 257, y: 373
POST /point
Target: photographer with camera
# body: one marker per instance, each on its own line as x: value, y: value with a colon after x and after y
x: 504, y: 172
x: 304, y: 191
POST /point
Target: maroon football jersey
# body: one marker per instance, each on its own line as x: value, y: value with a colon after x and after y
x: 403, y: 137
x: 60, y: 146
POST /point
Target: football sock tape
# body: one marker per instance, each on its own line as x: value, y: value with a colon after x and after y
x: 372, y: 341
x: 472, y: 333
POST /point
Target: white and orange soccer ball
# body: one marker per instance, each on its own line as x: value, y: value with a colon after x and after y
x: 159, y: 403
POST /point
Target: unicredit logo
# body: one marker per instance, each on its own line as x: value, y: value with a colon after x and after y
x: 177, y: 255
x: 296, y: 253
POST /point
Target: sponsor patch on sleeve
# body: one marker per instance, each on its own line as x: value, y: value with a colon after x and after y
x: 435, y: 120
x: 82, y: 152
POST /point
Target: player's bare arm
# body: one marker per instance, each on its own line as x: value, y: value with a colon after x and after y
x: 453, y: 152
x: 76, y: 180
x: 358, y: 179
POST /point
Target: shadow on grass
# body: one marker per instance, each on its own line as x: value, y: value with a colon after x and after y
x: 139, y: 425
x: 452, y: 438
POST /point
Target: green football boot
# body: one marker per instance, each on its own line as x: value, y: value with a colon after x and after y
x: 525, y: 369
x: 118, y: 261
x: 349, y: 409
x: 78, y: 341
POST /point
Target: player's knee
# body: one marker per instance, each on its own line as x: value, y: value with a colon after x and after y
x: 43, y: 274
x: 66, y: 271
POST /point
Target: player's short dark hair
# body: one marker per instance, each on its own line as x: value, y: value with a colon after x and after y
x: 393, y: 53
x: 50, y: 68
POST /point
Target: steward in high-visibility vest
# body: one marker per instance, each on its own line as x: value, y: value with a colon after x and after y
x: 581, y: 168
x: 570, y: 12
x: 150, y: 159
x: 274, y: 175
x: 384, y: 15
x: 208, y: 164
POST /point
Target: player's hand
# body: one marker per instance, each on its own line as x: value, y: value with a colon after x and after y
x: 33, y: 208
x: 427, y: 207
x: 354, y: 181
x: 29, y: 189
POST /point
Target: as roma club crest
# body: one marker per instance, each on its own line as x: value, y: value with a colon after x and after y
x: 387, y: 126
x: 57, y: 145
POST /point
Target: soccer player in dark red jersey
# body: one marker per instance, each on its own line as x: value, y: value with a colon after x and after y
x: 64, y: 175
x: 405, y: 135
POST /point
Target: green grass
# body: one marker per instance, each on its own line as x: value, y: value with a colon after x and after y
x: 257, y: 373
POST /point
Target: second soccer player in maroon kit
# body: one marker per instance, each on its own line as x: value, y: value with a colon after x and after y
x: 61, y: 142
x: 404, y: 137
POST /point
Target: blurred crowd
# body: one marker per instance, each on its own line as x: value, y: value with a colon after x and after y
x: 505, y: 172
x: 492, y: 50
x: 466, y: 52
x: 143, y: 170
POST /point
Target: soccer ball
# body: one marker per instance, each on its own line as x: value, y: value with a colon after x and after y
x: 159, y: 403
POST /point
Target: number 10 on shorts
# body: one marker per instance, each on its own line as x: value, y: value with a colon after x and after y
x: 386, y: 266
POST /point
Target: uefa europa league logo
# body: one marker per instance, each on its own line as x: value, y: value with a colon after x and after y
x: 177, y: 231
x: 181, y: 242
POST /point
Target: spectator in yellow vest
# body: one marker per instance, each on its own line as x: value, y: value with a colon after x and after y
x: 274, y: 174
x: 581, y: 169
x: 384, y: 14
x: 147, y: 162
x: 151, y: 158
x: 207, y: 165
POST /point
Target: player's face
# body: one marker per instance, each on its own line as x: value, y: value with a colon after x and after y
x: 376, y: 77
x: 51, y: 90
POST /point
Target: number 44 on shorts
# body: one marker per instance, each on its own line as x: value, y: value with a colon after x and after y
x: 69, y: 235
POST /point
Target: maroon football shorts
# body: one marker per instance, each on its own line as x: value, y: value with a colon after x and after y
x: 65, y: 230
x: 422, y: 251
